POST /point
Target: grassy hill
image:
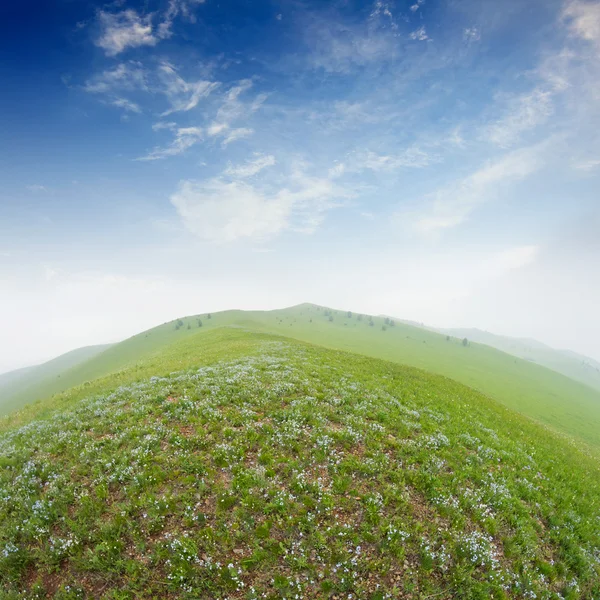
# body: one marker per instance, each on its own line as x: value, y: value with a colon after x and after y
x: 549, y: 397
x: 22, y: 385
x: 238, y: 464
x: 572, y: 365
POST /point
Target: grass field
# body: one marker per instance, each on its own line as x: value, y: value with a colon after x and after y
x: 572, y: 365
x: 235, y: 464
x: 30, y: 382
x: 544, y: 395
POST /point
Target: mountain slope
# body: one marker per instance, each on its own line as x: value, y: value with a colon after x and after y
x: 39, y: 380
x: 572, y: 365
x: 262, y: 467
x: 564, y: 404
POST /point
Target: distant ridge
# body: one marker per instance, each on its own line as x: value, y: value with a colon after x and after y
x: 571, y: 364
x: 17, y: 384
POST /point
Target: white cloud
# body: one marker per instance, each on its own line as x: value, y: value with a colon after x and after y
x: 164, y: 125
x: 410, y: 158
x: 124, y: 30
x: 233, y: 109
x: 337, y: 170
x: 125, y: 76
x: 415, y: 7
x: 220, y: 211
x: 126, y: 105
x: 584, y: 19
x: 183, y: 95
x: 338, y: 47
x: 587, y: 165
x: 175, y: 8
x: 471, y: 34
x: 216, y: 129
x: 524, y: 113
x: 36, y: 188
x: 185, y: 138
x: 237, y: 134
x: 227, y: 208
x: 250, y: 167
x: 452, y: 204
x: 420, y: 34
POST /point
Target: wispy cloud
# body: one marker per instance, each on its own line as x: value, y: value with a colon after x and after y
x: 415, y: 158
x: 338, y: 47
x: 233, y: 135
x: 176, y: 8
x: 160, y: 125
x: 524, y: 113
x: 183, y: 95
x: 250, y: 167
x: 126, y: 105
x: 125, y: 76
x: 185, y: 138
x: 588, y: 165
x: 36, y: 188
x: 123, y: 30
x: 452, y: 204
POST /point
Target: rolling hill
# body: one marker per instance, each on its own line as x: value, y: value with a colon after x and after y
x: 40, y: 381
x: 237, y: 464
x: 549, y: 397
x: 572, y: 365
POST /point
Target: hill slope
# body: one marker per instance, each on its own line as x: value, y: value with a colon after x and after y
x: 268, y: 468
x: 564, y: 404
x: 17, y: 387
x: 572, y: 365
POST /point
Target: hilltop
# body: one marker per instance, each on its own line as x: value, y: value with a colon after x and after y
x: 547, y: 396
x: 237, y: 464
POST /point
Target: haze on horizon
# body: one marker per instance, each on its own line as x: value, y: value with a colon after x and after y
x: 431, y: 160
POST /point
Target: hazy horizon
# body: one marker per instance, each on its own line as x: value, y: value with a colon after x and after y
x: 414, y: 322
x: 434, y: 161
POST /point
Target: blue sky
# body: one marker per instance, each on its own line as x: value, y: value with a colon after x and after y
x: 433, y: 160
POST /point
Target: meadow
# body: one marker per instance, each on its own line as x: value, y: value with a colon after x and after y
x: 252, y: 466
x: 565, y: 405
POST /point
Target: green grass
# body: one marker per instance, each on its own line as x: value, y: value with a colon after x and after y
x: 572, y: 365
x: 235, y: 464
x: 41, y: 380
x: 540, y: 393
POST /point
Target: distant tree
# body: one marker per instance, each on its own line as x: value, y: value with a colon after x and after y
x: 465, y: 342
x: 209, y: 316
x: 447, y: 338
x: 371, y: 324
x: 310, y: 321
x: 180, y: 323
x: 359, y: 318
x: 199, y: 323
x: 330, y: 318
x: 387, y: 321
x: 349, y: 314
x: 383, y: 328
x: 189, y: 326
